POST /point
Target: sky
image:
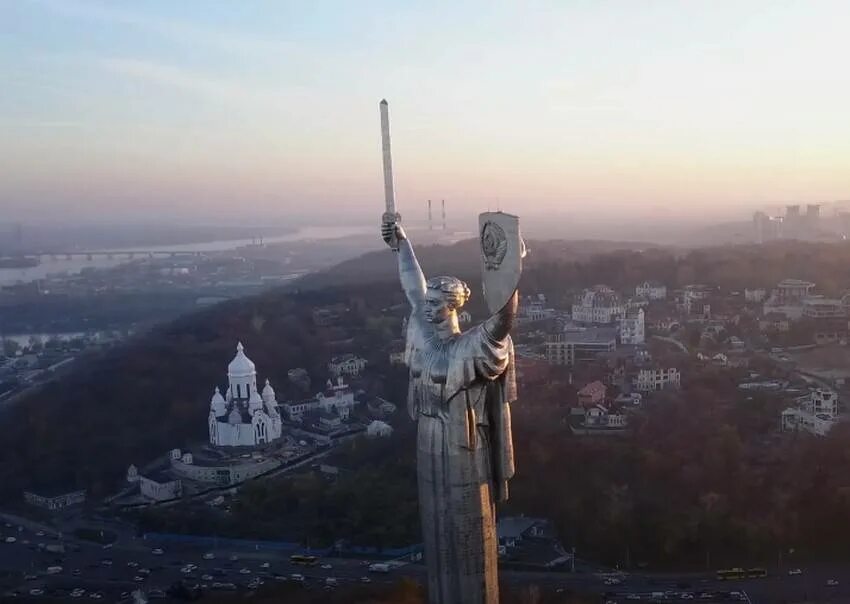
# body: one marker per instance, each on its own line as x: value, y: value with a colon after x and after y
x: 267, y: 111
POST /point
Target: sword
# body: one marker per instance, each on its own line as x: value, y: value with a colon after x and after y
x: 390, y: 215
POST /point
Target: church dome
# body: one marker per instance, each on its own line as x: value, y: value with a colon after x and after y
x: 268, y: 392
x: 255, y: 403
x: 218, y: 405
x: 241, y: 365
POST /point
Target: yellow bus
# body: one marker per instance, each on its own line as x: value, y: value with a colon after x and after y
x: 730, y: 574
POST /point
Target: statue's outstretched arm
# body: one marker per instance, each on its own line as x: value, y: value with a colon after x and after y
x: 410, y: 273
x: 499, y: 325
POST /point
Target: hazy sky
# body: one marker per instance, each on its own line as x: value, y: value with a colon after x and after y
x: 175, y: 109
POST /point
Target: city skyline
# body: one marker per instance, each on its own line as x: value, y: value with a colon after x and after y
x: 126, y: 111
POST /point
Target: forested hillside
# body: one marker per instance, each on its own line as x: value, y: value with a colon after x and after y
x: 698, y: 478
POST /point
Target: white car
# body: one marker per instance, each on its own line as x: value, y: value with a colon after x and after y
x: 206, y: 578
x: 327, y: 566
x: 234, y: 558
x: 209, y: 556
x: 795, y: 571
x: 40, y: 534
x: 265, y: 565
x: 365, y: 580
x: 36, y: 592
x: 95, y: 595
x: 245, y: 571
x: 832, y: 582
x: 157, y: 551
x: 11, y: 540
x: 132, y: 564
x: 297, y: 577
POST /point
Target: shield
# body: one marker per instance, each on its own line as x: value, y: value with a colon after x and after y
x: 502, y: 250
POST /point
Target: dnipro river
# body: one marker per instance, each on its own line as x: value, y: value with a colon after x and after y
x: 77, y: 263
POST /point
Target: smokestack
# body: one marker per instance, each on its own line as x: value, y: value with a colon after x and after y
x: 430, y: 220
x: 444, y: 214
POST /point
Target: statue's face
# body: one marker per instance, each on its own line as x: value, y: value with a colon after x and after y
x: 436, y: 309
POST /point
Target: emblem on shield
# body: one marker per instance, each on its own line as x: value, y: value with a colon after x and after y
x: 502, y: 250
x: 494, y: 245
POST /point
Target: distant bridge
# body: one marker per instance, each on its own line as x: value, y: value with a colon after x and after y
x: 110, y: 254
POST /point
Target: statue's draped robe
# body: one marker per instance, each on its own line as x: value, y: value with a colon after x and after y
x: 460, y: 392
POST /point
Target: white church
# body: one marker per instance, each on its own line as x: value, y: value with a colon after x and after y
x: 243, y: 417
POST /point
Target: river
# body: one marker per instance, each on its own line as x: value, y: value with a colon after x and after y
x: 60, y: 265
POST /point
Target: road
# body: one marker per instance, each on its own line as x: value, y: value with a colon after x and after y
x: 115, y: 571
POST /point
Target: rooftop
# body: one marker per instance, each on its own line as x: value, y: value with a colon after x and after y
x: 513, y: 527
x: 591, y: 335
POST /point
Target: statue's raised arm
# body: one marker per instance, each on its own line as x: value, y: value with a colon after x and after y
x: 410, y: 273
x: 499, y: 325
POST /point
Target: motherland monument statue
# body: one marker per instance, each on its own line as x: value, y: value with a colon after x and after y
x: 461, y: 387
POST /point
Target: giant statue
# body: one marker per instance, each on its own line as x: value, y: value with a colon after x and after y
x: 461, y: 387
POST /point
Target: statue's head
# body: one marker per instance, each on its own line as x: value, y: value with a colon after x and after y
x: 443, y: 297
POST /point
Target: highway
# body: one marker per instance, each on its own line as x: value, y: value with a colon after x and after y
x: 112, y: 572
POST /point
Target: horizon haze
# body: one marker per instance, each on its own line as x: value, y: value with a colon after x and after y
x: 639, y: 113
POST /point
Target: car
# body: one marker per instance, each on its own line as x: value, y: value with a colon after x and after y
x: 40, y: 534
x: 832, y: 582
x: 209, y: 556
x: 35, y: 591
x: 687, y: 596
x: 30, y: 577
x: 156, y: 594
x: 138, y: 579
x: 331, y: 581
x: 144, y: 571
x: 132, y: 564
x: 244, y: 571
x: 107, y: 546
x: 327, y: 566
x: 233, y: 558
x: 365, y: 580
x: 11, y: 540
x: 157, y: 551
x: 297, y: 577
x: 207, y: 577
x: 76, y: 572
x: 95, y: 595
x: 265, y: 565
x: 795, y: 571
x: 78, y: 592
x: 633, y: 597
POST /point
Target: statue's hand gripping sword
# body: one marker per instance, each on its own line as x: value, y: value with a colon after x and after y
x: 390, y: 217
